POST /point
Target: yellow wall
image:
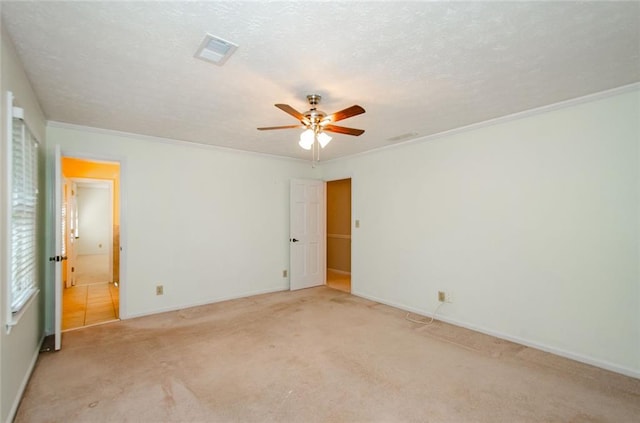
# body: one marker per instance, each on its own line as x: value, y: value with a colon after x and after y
x: 339, y: 225
x: 79, y: 168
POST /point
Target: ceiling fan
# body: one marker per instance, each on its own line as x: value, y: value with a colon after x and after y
x: 317, y: 123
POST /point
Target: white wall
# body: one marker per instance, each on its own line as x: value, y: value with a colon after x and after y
x: 19, y: 349
x: 207, y: 223
x: 532, y: 224
x: 94, y: 219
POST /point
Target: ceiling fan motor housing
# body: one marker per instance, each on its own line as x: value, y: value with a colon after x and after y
x: 314, y: 117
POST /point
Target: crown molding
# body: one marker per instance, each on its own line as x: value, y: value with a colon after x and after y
x: 504, y: 119
x: 171, y: 141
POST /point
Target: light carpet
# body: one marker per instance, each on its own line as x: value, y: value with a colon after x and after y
x: 316, y: 355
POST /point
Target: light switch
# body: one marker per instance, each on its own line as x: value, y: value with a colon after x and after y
x: 357, y: 223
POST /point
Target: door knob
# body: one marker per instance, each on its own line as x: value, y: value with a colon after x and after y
x: 293, y: 240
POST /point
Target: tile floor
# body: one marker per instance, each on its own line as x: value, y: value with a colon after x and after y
x: 87, y: 305
x: 339, y: 281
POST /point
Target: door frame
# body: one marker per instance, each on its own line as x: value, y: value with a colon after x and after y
x: 67, y: 244
x: 55, y: 282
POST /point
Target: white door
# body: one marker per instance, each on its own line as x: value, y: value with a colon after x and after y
x: 307, y: 233
x: 59, y: 241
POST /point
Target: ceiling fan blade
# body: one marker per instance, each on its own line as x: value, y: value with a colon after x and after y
x: 346, y: 113
x: 280, y: 127
x: 343, y: 130
x: 293, y: 112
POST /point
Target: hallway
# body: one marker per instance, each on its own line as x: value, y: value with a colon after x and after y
x: 92, y: 268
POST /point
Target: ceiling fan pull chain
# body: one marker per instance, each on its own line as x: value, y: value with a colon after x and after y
x: 316, y: 152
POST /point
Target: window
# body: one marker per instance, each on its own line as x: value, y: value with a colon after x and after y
x: 23, y: 215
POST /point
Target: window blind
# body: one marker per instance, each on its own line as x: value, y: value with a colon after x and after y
x: 23, y: 215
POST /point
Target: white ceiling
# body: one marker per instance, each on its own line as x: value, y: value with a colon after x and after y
x: 416, y: 67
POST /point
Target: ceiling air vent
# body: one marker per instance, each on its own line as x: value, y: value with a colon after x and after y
x: 215, y: 50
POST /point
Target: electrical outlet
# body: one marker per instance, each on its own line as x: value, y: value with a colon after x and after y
x: 445, y: 296
x: 284, y: 273
x: 159, y: 290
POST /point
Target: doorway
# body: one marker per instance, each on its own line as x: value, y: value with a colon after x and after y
x: 339, y: 234
x: 90, y: 224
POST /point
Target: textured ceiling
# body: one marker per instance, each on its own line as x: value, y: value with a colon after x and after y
x: 416, y: 67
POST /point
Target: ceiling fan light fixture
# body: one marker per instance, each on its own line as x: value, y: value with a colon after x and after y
x: 306, y: 139
x: 316, y: 123
x: 323, y: 139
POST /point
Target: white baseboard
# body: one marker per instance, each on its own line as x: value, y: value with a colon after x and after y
x: 201, y: 303
x: 23, y: 385
x: 603, y: 364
